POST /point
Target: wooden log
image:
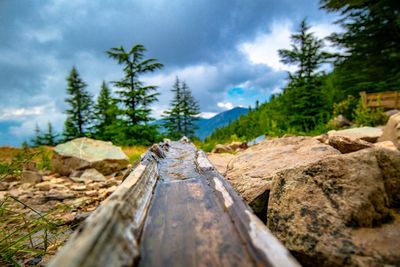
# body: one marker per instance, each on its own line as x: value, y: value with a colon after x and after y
x: 110, y: 235
x: 173, y: 209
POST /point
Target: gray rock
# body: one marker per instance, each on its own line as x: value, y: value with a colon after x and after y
x: 85, y: 153
x: 88, y: 174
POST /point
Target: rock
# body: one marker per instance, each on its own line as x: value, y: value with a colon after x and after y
x: 59, y: 197
x: 222, y: 149
x: 392, y: 112
x: 220, y: 161
x: 91, y: 193
x: 391, y: 132
x: 387, y: 145
x: 340, y: 121
x: 89, y: 175
x: 3, y: 186
x: 31, y: 177
x: 369, y: 134
x: 85, y: 153
x: 321, y: 210
x: 78, y: 187
x: 348, y: 145
x: 251, y: 171
x: 323, y: 138
x: 238, y: 146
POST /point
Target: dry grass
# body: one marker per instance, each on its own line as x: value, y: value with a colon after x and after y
x: 134, y: 152
x: 8, y: 153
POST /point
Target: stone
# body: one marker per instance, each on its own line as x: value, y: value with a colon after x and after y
x: 387, y: 145
x: 31, y: 177
x: 91, y: 193
x: 340, y: 121
x: 78, y: 187
x: 347, y: 145
x: 338, y: 210
x: 250, y: 172
x: 85, y: 153
x: 392, y: 112
x: 220, y: 161
x: 391, y: 132
x: 93, y: 175
x: 222, y: 149
x: 369, y: 134
x: 235, y: 146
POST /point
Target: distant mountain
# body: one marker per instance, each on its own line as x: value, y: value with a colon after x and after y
x: 206, y: 126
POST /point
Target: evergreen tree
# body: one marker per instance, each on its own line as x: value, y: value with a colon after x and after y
x: 80, y: 107
x: 50, y: 138
x: 37, y: 140
x: 371, y: 40
x: 304, y: 101
x: 105, y: 114
x: 136, y: 97
x: 173, y: 117
x: 190, y: 111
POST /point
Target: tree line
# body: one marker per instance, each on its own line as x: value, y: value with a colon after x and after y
x: 124, y: 118
x: 370, y: 42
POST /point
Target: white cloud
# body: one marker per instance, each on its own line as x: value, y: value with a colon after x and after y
x: 19, y: 113
x: 43, y: 35
x: 264, y: 48
x: 207, y: 115
x: 225, y: 105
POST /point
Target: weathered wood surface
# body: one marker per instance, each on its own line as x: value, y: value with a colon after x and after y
x: 388, y: 100
x: 174, y: 209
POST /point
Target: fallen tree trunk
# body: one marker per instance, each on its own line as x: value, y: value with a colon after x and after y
x: 173, y: 209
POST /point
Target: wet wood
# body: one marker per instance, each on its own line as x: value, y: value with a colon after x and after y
x: 174, y: 209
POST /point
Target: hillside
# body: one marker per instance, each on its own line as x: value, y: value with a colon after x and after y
x: 206, y: 126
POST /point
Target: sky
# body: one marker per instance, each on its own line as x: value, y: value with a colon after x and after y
x: 225, y: 50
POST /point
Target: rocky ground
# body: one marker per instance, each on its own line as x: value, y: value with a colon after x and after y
x: 333, y: 200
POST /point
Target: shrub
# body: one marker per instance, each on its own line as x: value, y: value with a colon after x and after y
x: 346, y: 107
x: 365, y: 116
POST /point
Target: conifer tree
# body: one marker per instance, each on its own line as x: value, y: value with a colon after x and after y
x: 190, y: 111
x: 304, y: 101
x: 105, y: 114
x: 173, y: 116
x: 134, y: 96
x: 37, y: 140
x: 80, y: 107
x: 50, y: 138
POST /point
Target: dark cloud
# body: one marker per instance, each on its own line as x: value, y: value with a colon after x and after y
x: 41, y: 40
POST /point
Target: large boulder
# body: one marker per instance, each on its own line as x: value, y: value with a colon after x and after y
x: 391, y: 132
x: 220, y: 161
x: 85, y: 153
x: 369, y: 134
x: 252, y: 170
x: 341, y: 210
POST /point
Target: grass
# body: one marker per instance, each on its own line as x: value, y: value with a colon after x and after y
x: 134, y: 152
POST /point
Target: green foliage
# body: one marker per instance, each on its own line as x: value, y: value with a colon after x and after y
x: 365, y: 116
x: 372, y: 43
x: 346, y: 107
x: 134, y: 96
x: 80, y: 107
x: 48, y: 138
x: 180, y: 118
x: 105, y: 115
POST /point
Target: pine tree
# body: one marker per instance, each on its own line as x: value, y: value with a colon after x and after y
x: 135, y: 97
x: 105, y: 114
x: 80, y: 107
x: 306, y: 54
x: 173, y: 116
x: 371, y: 40
x: 37, y: 140
x: 304, y: 103
x: 50, y: 138
x: 190, y: 111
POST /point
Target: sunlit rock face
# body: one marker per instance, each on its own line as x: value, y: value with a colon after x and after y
x: 84, y: 153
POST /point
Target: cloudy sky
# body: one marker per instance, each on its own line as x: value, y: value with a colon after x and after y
x: 225, y: 50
